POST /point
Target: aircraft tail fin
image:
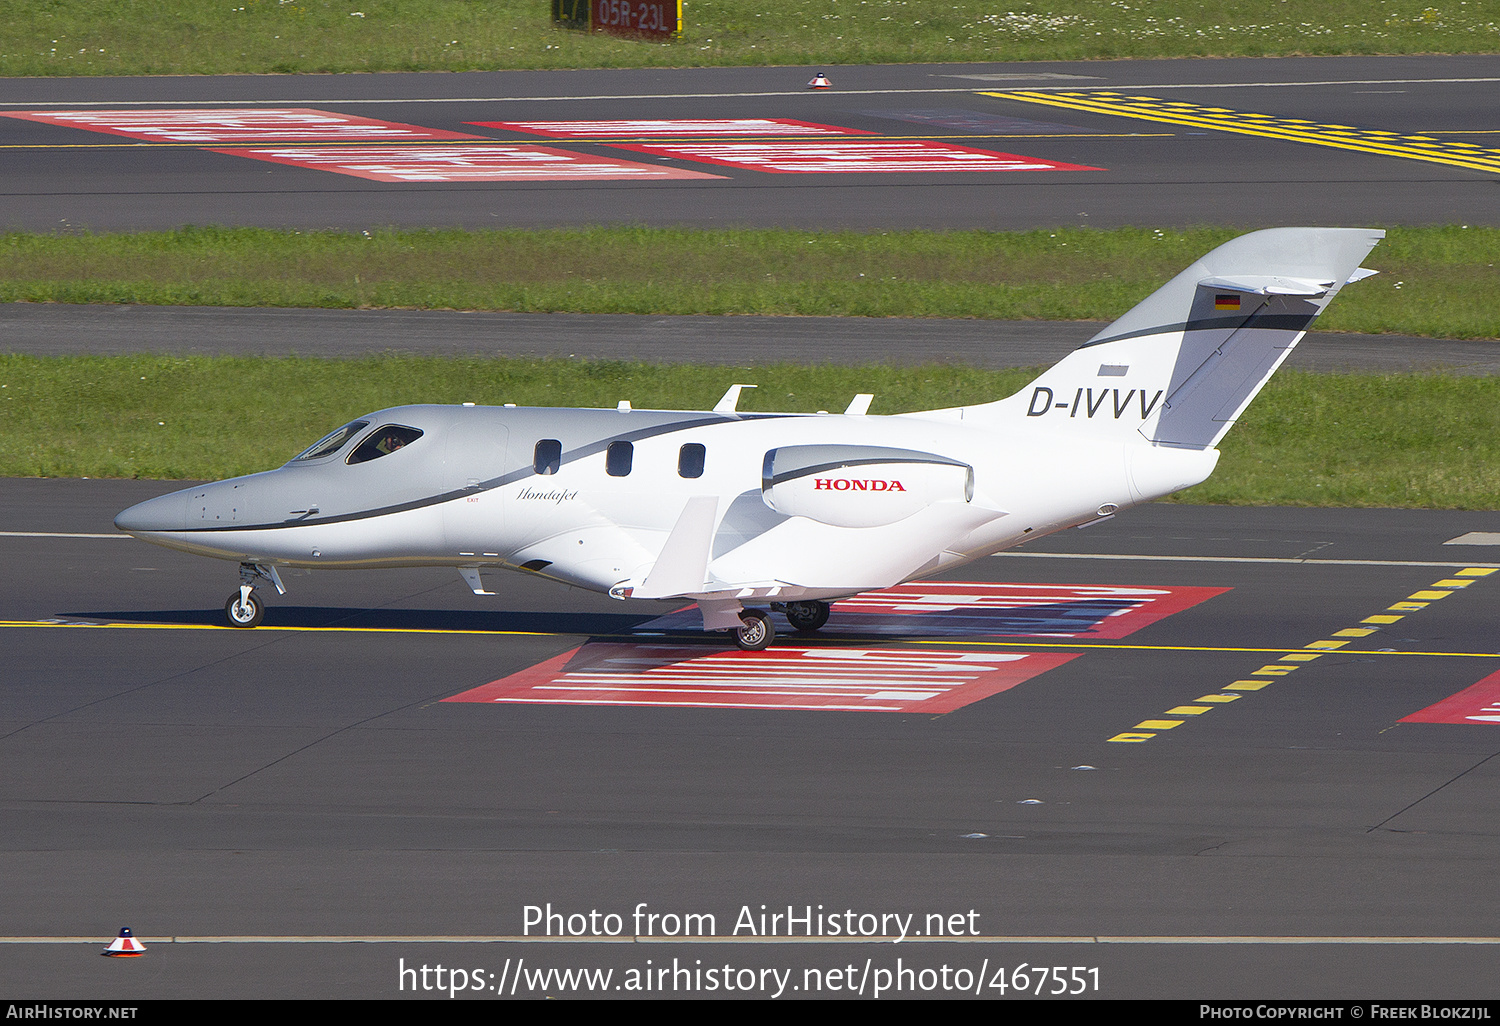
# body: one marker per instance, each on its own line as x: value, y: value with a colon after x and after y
x: 1182, y: 365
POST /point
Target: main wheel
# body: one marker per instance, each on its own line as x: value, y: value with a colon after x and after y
x: 807, y: 616
x: 756, y: 632
x: 248, y: 613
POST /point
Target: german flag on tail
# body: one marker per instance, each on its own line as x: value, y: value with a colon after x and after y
x: 1227, y: 302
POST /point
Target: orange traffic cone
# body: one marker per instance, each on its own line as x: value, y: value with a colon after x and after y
x: 124, y: 946
x: 820, y: 81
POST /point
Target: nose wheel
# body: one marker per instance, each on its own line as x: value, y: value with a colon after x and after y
x: 244, y: 608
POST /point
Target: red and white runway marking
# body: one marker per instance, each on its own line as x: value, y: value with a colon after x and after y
x: 487, y: 163
x: 785, y: 677
x: 679, y: 128
x: 1477, y: 704
x: 291, y: 124
x: 889, y: 156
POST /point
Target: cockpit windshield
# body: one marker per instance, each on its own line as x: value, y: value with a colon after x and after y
x: 382, y: 442
x: 332, y: 442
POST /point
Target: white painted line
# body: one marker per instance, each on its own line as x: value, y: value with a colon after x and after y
x: 675, y: 128
x: 55, y: 534
x: 1073, y: 86
x: 1476, y: 538
x: 217, y: 127
x: 188, y: 104
x: 719, y: 939
x: 463, y: 163
x: 886, y: 156
x: 1240, y: 559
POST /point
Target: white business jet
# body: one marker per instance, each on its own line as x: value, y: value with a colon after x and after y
x: 740, y: 511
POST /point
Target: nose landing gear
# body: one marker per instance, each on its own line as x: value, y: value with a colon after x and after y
x: 244, y: 608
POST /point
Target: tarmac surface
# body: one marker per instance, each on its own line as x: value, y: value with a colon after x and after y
x: 306, y: 799
x: 66, y: 330
x: 1376, y: 141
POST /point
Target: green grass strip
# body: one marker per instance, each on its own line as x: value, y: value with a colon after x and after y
x: 1392, y: 440
x: 199, y: 37
x: 1437, y: 282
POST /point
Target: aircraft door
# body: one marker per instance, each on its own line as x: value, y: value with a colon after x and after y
x: 473, y: 521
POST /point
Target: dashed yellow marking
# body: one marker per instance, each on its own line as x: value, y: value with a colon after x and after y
x: 1267, y: 126
x: 1476, y: 571
x: 1312, y: 650
x: 1129, y: 738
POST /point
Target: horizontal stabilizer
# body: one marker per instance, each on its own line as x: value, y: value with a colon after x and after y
x: 1268, y: 285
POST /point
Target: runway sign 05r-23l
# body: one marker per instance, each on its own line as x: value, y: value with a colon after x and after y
x: 648, y: 19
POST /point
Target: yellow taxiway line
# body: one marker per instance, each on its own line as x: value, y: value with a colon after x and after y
x: 1222, y: 119
x: 657, y: 639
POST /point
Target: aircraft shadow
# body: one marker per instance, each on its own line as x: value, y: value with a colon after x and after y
x: 1081, y: 618
x: 389, y: 619
x: 1078, y: 619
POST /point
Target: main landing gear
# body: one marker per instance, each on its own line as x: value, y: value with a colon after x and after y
x: 757, y: 632
x: 244, y: 608
x: 806, y: 617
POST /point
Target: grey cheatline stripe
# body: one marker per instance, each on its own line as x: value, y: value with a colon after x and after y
x: 625, y: 939
x: 56, y: 534
x: 598, y: 445
x: 73, y: 104
x: 1243, y: 559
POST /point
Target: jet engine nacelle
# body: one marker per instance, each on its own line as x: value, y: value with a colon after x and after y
x: 860, y: 485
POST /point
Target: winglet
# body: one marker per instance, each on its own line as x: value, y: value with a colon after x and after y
x: 859, y: 405
x: 682, y: 566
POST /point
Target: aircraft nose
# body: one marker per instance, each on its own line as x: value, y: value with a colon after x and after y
x: 163, y: 513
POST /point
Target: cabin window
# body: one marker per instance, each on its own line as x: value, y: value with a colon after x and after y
x: 332, y: 442
x: 547, y: 458
x: 690, y: 460
x: 382, y: 442
x: 618, y: 457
